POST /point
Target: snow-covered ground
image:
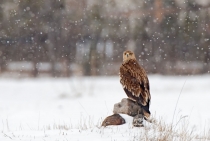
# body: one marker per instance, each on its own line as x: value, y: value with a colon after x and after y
x: 72, y: 109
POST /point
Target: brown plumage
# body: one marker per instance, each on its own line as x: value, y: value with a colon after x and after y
x: 135, y: 82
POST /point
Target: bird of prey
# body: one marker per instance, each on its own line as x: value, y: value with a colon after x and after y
x: 135, y: 82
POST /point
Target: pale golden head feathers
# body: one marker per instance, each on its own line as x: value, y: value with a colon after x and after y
x: 128, y: 55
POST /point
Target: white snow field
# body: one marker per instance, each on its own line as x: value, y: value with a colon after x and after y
x: 72, y: 109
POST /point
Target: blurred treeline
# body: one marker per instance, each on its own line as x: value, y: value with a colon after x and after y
x: 87, y: 37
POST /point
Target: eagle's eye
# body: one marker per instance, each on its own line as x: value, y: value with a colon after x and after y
x: 131, y: 53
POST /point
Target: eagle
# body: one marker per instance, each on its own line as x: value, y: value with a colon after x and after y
x: 135, y: 82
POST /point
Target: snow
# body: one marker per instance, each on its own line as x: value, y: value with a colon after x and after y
x: 73, y: 108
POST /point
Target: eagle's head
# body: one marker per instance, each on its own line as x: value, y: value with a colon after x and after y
x: 128, y: 55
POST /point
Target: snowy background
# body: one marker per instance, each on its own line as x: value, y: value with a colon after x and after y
x: 63, y: 38
x: 73, y: 108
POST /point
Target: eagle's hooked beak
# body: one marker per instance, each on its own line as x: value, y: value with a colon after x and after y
x: 127, y: 54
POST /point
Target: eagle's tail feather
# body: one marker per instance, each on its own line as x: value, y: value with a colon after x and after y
x: 146, y: 111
